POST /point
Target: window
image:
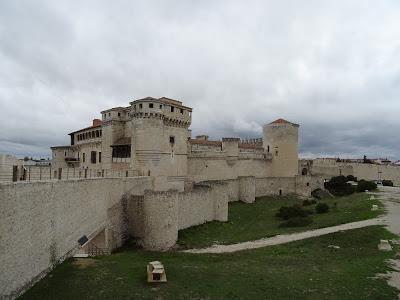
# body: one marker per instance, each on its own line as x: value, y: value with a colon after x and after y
x: 65, y: 153
x: 119, y: 114
x: 151, y: 105
x: 172, y: 109
x: 140, y: 105
x: 83, y: 157
x: 181, y: 111
x: 101, y: 132
x: 97, y: 133
x: 172, y: 139
x: 160, y: 106
x: 121, y: 151
x: 99, y: 157
x: 109, y: 114
x: 308, y: 184
x: 93, y: 155
x: 268, y: 148
x: 276, y: 152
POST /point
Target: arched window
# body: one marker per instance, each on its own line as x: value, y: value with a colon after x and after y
x: 304, y: 172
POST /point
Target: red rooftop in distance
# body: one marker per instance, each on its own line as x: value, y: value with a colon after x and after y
x: 282, y: 121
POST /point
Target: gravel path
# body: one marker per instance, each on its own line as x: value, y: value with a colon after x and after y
x: 390, y: 196
x: 286, y: 238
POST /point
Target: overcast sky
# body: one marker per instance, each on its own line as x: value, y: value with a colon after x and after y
x: 331, y: 66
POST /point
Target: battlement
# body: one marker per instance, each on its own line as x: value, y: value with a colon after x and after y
x: 171, y: 111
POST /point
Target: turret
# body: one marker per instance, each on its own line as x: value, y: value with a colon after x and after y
x: 280, y: 138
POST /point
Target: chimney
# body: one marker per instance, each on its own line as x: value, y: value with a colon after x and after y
x: 96, y: 122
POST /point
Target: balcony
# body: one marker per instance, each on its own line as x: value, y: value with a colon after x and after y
x: 72, y: 160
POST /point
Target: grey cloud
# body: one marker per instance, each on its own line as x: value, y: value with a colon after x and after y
x: 331, y: 66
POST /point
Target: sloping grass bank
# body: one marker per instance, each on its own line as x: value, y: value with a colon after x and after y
x: 254, y: 221
x: 307, y: 269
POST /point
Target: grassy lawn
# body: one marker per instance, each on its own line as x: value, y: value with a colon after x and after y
x: 306, y: 269
x: 254, y: 221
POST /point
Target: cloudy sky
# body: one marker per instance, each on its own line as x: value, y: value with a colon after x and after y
x: 331, y: 66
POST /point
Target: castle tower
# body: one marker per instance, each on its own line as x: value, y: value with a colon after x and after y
x: 281, y: 138
x: 115, y: 128
x: 160, y: 130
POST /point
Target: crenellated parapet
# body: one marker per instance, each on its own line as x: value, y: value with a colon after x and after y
x: 172, y: 112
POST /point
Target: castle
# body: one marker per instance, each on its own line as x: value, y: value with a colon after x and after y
x: 136, y: 173
x: 151, y: 137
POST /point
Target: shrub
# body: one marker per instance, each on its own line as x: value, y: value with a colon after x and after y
x: 387, y: 183
x: 307, y: 202
x: 320, y: 194
x: 297, y: 222
x: 351, y: 178
x: 322, y: 208
x: 288, y: 212
x: 338, y: 186
x: 364, y: 185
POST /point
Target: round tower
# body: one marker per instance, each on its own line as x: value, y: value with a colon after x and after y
x: 281, y: 139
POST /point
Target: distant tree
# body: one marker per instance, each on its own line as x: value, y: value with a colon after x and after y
x: 26, y: 158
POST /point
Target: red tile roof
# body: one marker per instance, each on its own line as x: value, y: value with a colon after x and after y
x: 282, y: 121
x: 96, y: 121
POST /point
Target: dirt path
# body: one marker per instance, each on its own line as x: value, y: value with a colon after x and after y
x: 390, y: 196
x: 286, y: 238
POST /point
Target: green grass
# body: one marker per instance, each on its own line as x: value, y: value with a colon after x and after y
x: 254, y: 221
x: 306, y: 269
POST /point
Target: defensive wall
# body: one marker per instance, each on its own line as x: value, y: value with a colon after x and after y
x: 328, y: 168
x: 41, y: 222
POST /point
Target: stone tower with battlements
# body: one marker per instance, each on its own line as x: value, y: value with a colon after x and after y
x: 159, y: 135
x: 281, y: 139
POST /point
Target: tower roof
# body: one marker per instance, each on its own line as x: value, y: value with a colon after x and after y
x: 282, y: 121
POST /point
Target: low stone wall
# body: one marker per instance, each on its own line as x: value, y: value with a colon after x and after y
x: 41, y: 222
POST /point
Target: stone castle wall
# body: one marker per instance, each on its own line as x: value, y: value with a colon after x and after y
x: 6, y: 167
x: 329, y: 168
x: 41, y: 222
x: 48, y: 218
